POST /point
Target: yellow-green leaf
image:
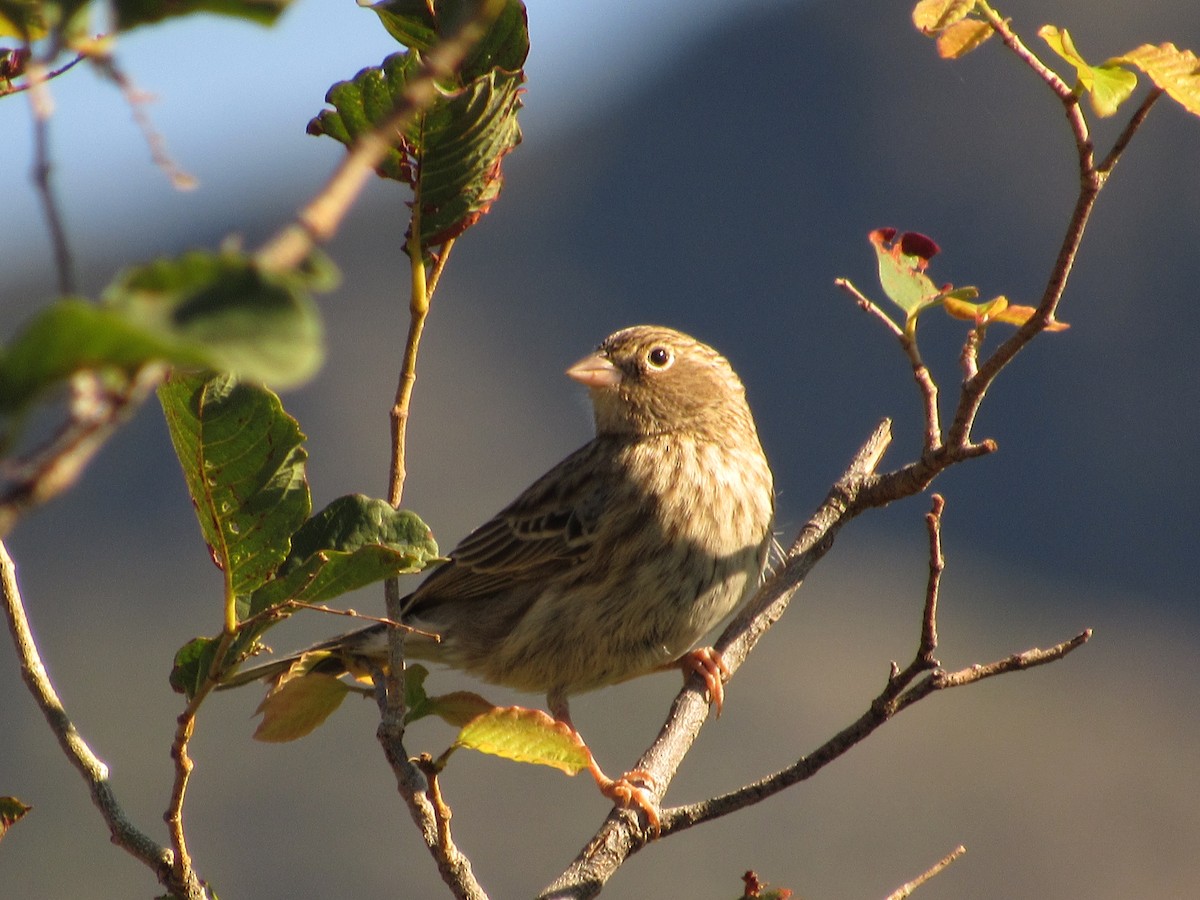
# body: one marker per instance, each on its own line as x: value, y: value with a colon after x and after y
x: 1108, y: 85
x: 932, y: 16
x: 525, y: 735
x: 11, y: 810
x: 962, y: 37
x: 1019, y: 315
x: 459, y: 707
x: 298, y: 706
x: 1175, y: 71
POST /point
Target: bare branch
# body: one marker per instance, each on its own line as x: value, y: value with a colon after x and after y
x: 42, y: 108
x: 906, y: 890
x: 124, y: 833
x: 95, y: 414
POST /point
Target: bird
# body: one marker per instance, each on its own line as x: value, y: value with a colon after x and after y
x: 617, y: 561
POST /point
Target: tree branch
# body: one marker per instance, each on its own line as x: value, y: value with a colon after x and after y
x: 124, y: 833
x: 906, y: 890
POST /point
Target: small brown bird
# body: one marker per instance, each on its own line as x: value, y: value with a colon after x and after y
x: 617, y: 561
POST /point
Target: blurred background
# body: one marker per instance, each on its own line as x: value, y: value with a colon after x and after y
x: 711, y: 166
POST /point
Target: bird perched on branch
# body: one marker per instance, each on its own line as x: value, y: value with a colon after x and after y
x: 617, y: 561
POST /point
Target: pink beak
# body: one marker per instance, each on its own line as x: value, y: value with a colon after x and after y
x: 595, y: 371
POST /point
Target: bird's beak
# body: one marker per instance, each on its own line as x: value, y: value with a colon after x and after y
x: 595, y: 371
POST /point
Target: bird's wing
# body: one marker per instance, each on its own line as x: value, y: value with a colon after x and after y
x: 553, y: 521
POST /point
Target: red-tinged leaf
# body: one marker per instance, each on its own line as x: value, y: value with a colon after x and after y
x: 902, y: 266
x: 298, y: 706
x: 913, y: 243
x: 12, y: 810
x: 525, y: 735
x: 1175, y: 71
x: 959, y: 39
x: 932, y: 16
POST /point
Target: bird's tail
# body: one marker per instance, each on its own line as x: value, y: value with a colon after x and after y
x: 355, y: 653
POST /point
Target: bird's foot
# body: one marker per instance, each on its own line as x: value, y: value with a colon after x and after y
x: 707, y: 663
x: 633, y: 789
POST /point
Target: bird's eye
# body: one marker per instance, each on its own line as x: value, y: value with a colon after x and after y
x: 660, y: 357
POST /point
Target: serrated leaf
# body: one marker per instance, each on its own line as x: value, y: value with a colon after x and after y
x: 525, y: 735
x: 957, y: 40
x: 420, y: 24
x: 243, y: 463
x: 450, y: 155
x: 192, y: 663
x: 1175, y: 71
x: 933, y: 16
x: 12, y: 811
x: 1108, y: 85
x: 298, y: 706
x: 356, y: 520
x: 353, y: 542
x: 131, y: 13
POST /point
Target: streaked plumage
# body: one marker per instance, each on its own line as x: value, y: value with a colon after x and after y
x: 617, y: 561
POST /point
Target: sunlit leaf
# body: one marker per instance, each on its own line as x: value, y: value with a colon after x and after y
x: 1108, y: 85
x: 959, y: 39
x: 932, y: 16
x: 902, y: 263
x: 1175, y: 71
x: 525, y: 735
x: 12, y: 810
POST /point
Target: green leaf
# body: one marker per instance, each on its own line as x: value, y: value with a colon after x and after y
x: 451, y: 153
x: 355, y: 521
x: 1108, y: 85
x: 298, y: 706
x: 200, y: 311
x: 902, y: 264
x: 353, y: 542
x: 525, y: 735
x: 12, y: 811
x: 244, y: 466
x: 415, y: 25
x: 131, y: 13
x: 1175, y: 71
x: 193, y: 661
x: 256, y: 324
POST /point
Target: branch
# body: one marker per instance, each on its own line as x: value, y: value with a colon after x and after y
x: 124, y: 833
x: 906, y: 890
x: 95, y: 414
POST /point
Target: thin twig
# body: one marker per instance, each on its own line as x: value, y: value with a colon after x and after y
x: 95, y: 773
x: 53, y: 468
x: 41, y: 107
x: 137, y: 100
x: 921, y: 374
x: 47, y: 76
x: 906, y: 890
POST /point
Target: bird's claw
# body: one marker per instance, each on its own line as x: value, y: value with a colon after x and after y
x: 708, y: 664
x: 633, y: 789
